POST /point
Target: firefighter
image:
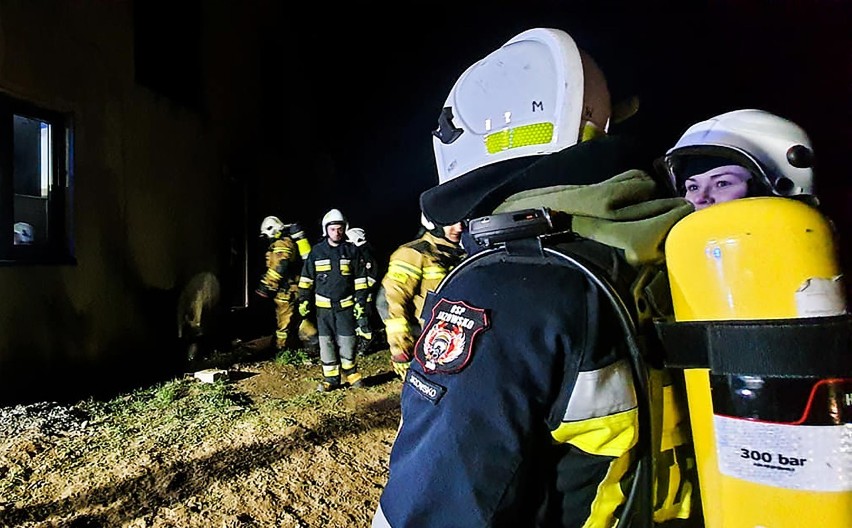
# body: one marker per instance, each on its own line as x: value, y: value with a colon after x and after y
x: 358, y: 237
x: 279, y: 282
x: 333, y: 283
x: 526, y: 404
x: 769, y: 391
x: 416, y: 268
x: 308, y: 334
x: 739, y: 154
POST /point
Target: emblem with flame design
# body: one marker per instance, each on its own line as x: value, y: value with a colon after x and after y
x: 446, y: 344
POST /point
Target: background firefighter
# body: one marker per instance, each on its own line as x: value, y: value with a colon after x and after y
x: 415, y: 268
x: 333, y: 283
x: 279, y: 282
x: 358, y: 237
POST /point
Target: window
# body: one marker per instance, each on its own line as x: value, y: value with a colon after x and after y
x: 35, y: 184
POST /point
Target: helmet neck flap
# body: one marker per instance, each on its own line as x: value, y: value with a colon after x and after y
x: 483, y: 189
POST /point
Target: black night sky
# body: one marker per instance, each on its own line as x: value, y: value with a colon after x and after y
x: 359, y: 88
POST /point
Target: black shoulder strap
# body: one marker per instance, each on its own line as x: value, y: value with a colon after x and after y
x: 601, y: 264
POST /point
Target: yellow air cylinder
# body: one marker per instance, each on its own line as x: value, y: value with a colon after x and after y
x: 773, y: 451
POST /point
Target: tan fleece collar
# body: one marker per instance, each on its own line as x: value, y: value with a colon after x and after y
x: 623, y: 211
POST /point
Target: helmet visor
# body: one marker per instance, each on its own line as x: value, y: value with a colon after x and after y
x: 682, y: 164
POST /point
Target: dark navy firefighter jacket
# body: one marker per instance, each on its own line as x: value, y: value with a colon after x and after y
x: 519, y: 409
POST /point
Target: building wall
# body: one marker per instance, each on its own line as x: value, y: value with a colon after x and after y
x: 149, y: 207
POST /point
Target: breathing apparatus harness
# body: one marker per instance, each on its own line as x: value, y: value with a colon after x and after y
x: 546, y: 233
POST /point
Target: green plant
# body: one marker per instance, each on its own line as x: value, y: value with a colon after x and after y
x: 167, y: 393
x: 175, y: 412
x: 288, y: 356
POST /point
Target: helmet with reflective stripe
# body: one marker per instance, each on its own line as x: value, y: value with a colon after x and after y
x: 777, y: 151
x: 271, y: 227
x: 334, y: 216
x: 356, y: 235
x: 537, y: 94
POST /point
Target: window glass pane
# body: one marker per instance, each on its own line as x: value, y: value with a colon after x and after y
x: 31, y: 178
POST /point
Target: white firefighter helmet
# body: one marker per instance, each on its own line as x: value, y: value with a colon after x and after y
x: 425, y: 222
x: 537, y: 94
x: 23, y: 233
x: 357, y: 236
x: 777, y: 151
x: 334, y: 216
x: 271, y: 227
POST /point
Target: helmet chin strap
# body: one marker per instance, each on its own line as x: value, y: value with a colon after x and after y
x: 438, y: 231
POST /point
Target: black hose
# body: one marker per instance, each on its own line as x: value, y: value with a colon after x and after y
x: 637, y: 508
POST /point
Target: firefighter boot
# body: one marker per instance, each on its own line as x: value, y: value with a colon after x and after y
x: 331, y: 377
x: 363, y: 346
x: 353, y: 378
x: 329, y: 384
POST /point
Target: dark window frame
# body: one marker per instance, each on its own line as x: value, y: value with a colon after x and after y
x: 59, y: 247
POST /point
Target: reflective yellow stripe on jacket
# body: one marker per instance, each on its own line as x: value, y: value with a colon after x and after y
x: 324, y: 302
x: 415, y: 268
x: 602, y: 418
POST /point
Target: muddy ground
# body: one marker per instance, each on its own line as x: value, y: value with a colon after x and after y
x: 277, y: 454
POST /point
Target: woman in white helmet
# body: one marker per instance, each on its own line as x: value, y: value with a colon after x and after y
x: 740, y: 154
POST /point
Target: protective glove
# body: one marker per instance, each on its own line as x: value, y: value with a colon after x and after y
x: 363, y: 329
x: 304, y: 308
x: 400, y: 367
x: 401, y: 346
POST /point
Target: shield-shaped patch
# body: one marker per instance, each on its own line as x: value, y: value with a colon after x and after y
x: 446, y: 343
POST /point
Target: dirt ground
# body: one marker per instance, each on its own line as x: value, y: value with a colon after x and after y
x: 288, y: 457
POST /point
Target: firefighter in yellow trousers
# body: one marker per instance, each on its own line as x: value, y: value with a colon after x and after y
x: 280, y: 281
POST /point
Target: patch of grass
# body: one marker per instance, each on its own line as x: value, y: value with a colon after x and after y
x: 295, y: 356
x: 175, y: 412
x: 167, y: 393
x: 145, y: 433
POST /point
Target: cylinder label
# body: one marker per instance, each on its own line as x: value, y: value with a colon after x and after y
x: 800, y: 457
x: 821, y: 297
